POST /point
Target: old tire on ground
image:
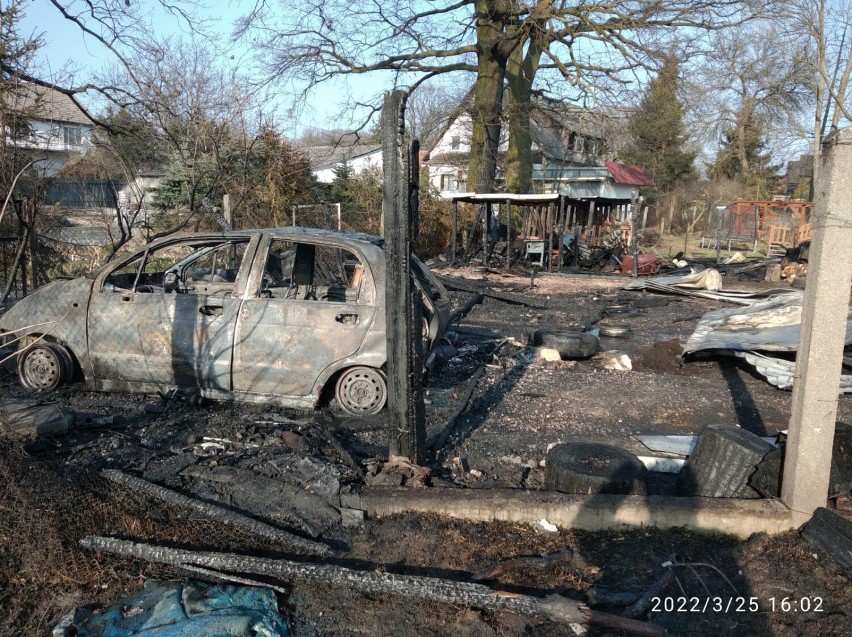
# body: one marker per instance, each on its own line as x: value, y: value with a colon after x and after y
x: 620, y: 312
x: 590, y: 467
x: 44, y: 367
x: 569, y: 343
x: 615, y: 331
x: 362, y: 391
x: 650, y: 301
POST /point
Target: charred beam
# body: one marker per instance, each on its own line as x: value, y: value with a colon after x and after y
x: 216, y: 513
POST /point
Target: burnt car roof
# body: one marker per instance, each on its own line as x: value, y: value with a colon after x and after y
x: 294, y: 232
x: 298, y: 231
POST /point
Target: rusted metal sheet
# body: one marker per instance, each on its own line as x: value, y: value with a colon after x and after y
x: 224, y: 315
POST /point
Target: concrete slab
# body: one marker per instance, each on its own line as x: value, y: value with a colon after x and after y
x: 740, y: 518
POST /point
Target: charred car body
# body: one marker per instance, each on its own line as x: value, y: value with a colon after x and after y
x: 274, y: 315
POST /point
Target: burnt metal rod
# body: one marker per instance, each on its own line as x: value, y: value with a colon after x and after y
x: 216, y: 513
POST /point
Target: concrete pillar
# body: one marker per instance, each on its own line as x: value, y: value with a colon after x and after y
x: 818, y: 363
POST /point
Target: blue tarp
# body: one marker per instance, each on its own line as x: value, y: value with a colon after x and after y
x: 177, y: 609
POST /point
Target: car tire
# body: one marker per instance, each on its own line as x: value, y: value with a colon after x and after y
x: 650, y: 301
x: 615, y: 331
x: 362, y: 391
x: 44, y: 366
x: 590, y: 468
x: 569, y: 343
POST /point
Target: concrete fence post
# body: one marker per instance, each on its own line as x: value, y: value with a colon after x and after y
x: 824, y: 314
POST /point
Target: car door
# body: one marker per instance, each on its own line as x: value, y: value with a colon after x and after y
x: 313, y: 306
x: 143, y: 328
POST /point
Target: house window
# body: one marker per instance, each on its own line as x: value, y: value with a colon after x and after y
x: 593, y: 147
x: 449, y: 183
x: 579, y: 144
x: 456, y: 142
x: 73, y: 135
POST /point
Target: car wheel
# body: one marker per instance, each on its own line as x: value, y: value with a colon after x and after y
x: 362, y: 391
x: 44, y: 367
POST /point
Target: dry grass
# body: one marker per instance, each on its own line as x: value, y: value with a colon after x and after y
x: 44, y: 572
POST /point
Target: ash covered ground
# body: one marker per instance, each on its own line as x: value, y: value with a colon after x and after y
x: 289, y: 468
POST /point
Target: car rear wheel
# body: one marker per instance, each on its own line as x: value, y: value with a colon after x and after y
x: 44, y: 367
x: 362, y: 391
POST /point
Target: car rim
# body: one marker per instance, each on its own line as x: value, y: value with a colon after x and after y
x: 362, y: 390
x: 42, y: 368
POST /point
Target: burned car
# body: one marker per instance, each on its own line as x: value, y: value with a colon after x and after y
x: 284, y: 316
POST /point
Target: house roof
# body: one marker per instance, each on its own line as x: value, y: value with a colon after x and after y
x: 326, y: 156
x: 46, y: 104
x: 628, y: 175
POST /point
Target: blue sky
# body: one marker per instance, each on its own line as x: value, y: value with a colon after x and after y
x: 72, y: 58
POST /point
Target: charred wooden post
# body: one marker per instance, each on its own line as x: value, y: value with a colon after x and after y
x: 556, y: 608
x: 486, y: 228
x: 548, y: 238
x: 634, y: 234
x: 403, y: 306
x: 563, y: 215
x: 508, y: 235
x: 455, y: 230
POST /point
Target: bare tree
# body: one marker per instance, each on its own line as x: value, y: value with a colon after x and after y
x: 589, y: 45
x: 828, y: 25
x: 121, y: 28
x: 754, y: 83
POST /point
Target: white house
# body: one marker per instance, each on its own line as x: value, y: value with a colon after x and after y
x: 327, y: 160
x: 562, y: 136
x: 52, y: 124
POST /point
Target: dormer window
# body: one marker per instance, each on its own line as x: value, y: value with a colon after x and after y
x: 72, y: 135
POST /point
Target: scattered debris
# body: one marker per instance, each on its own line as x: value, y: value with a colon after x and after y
x: 441, y: 439
x: 539, y: 562
x: 177, y: 609
x: 276, y: 499
x: 547, y: 354
x: 708, y: 279
x: 771, y: 325
x: 25, y: 419
x: 661, y: 464
x: 396, y: 472
x: 556, y: 608
x: 779, y: 372
x: 547, y: 527
x: 615, y: 360
x: 832, y: 534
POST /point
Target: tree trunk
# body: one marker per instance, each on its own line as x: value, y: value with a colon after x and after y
x: 819, y: 94
x: 520, y: 74
x: 488, y: 95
